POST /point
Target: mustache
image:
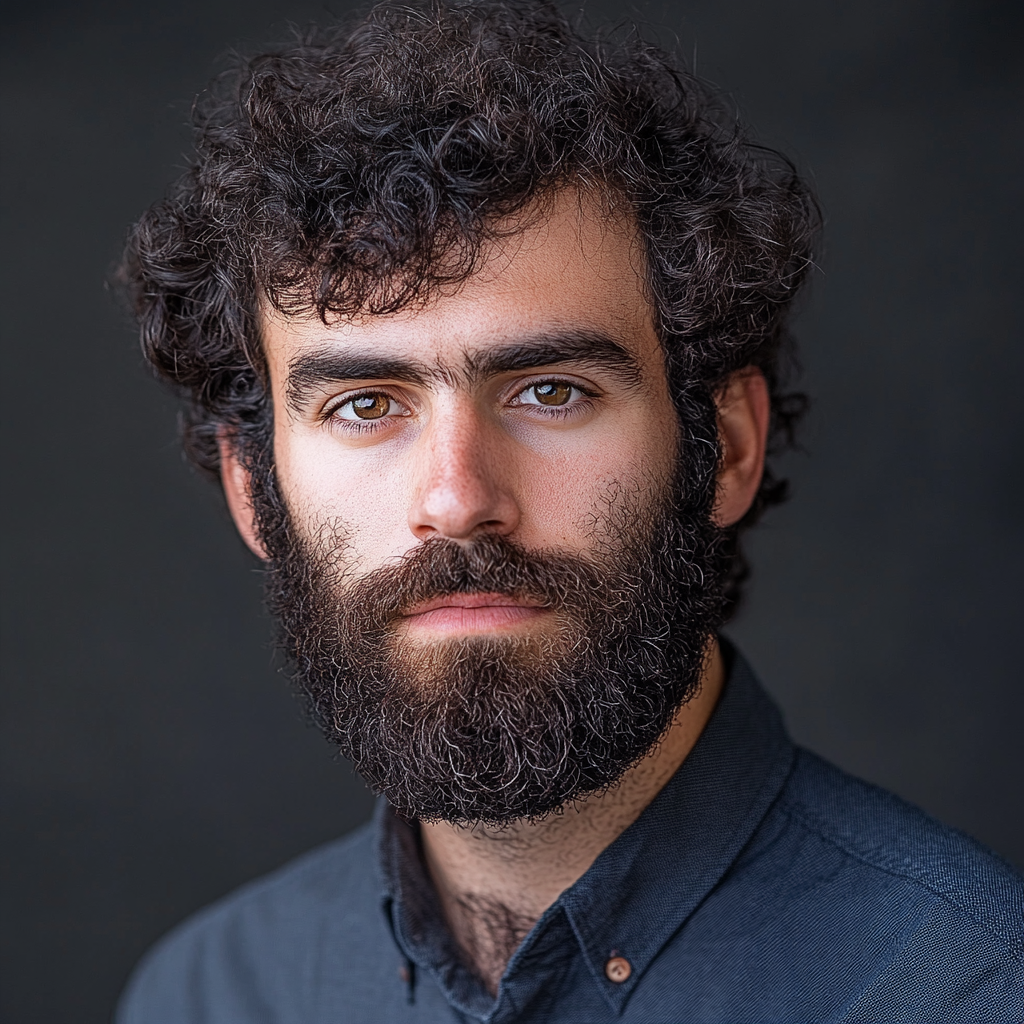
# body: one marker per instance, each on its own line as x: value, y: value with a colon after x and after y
x: 491, y: 564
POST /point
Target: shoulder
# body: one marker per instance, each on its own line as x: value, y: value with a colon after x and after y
x: 890, y: 836
x: 256, y: 948
x: 946, y: 915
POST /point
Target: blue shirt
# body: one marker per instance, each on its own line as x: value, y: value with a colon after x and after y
x: 761, y: 884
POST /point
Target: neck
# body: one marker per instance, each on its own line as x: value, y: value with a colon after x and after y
x: 494, y: 884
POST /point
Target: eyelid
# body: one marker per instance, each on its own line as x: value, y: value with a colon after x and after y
x: 391, y: 392
x: 587, y: 390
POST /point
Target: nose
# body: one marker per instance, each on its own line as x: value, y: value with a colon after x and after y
x: 461, y: 484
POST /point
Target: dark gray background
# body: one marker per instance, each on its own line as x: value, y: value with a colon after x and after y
x: 152, y: 757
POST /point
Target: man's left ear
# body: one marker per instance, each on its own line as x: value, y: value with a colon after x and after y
x: 744, y: 410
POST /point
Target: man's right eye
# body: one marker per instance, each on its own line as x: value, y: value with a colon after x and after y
x: 371, y: 405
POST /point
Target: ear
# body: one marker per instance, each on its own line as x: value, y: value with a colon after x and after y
x: 744, y: 410
x: 234, y: 478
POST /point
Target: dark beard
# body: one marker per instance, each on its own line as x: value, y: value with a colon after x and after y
x: 498, y: 729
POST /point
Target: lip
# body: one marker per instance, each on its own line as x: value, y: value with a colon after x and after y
x: 472, y: 613
x: 471, y: 601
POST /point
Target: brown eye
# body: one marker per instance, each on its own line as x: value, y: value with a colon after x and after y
x: 371, y: 407
x: 552, y: 392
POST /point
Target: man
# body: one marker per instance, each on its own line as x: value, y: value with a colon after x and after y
x: 482, y: 329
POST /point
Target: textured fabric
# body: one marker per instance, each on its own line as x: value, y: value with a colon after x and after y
x: 762, y: 884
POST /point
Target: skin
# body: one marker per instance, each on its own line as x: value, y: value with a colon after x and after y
x: 463, y: 448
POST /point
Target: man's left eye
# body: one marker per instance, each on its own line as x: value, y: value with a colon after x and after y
x: 549, y: 393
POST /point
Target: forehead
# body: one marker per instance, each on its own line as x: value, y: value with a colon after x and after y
x: 571, y: 265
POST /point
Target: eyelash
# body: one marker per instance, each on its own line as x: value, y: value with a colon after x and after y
x: 360, y: 426
x: 571, y: 408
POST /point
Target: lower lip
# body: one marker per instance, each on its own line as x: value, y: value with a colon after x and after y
x: 487, y: 619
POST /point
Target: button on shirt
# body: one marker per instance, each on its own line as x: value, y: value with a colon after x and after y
x: 761, y: 884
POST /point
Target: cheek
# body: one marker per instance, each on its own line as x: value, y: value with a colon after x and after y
x: 567, y: 496
x: 366, y: 495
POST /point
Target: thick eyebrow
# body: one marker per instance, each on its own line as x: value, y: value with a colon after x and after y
x: 308, y: 373
x: 589, y: 348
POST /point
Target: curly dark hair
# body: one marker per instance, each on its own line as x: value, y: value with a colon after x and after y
x: 366, y: 165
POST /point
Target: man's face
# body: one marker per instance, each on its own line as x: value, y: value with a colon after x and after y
x: 521, y: 405
x: 487, y: 575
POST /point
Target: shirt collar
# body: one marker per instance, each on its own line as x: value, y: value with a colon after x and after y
x: 645, y: 885
x: 413, y: 912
